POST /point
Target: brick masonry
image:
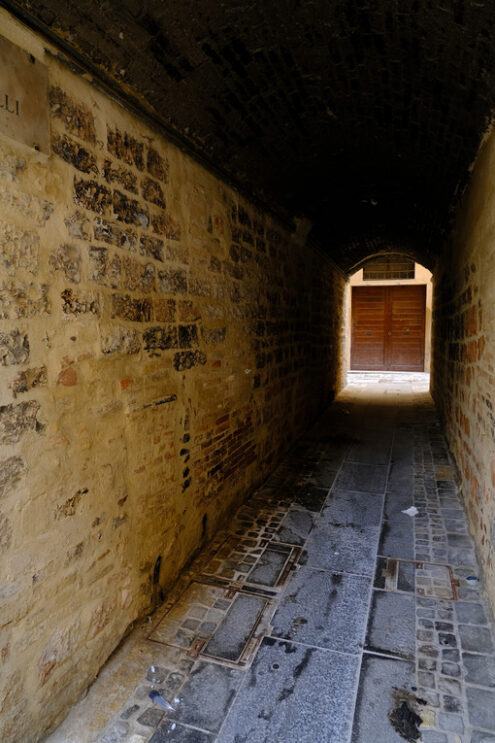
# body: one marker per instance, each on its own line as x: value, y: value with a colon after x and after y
x: 464, y: 364
x: 163, y: 343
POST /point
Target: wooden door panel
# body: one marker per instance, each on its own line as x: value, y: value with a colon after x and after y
x: 368, y: 319
x: 407, y: 328
x: 388, y: 328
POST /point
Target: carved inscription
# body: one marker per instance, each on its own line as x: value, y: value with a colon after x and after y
x: 23, y: 97
x: 7, y: 108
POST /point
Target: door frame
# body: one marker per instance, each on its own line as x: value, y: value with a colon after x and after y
x: 388, y: 292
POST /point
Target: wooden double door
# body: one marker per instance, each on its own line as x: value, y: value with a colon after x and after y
x: 388, y: 328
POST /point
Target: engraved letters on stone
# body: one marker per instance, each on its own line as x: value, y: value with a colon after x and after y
x: 23, y: 97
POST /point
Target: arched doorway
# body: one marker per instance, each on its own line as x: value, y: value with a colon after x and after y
x: 389, y: 299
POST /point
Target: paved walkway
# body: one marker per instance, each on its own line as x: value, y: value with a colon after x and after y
x: 328, y: 613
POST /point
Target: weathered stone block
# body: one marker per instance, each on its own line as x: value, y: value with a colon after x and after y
x: 27, y: 205
x: 189, y: 311
x: 165, y: 310
x: 160, y: 338
x: 115, y: 234
x: 74, y: 154
x: 175, y: 251
x: 215, y: 264
x: 156, y: 165
x: 29, y: 379
x: 126, y: 148
x: 203, y: 288
x: 91, y: 195
x: 243, y: 217
x: 211, y: 312
x: 67, y: 377
x: 67, y: 259
x: 117, y: 174
x: 129, y: 308
x: 119, y: 339
x: 100, y: 617
x: 17, y: 419
x: 14, y: 348
x: 61, y: 646
x: 129, y: 210
x: 213, y: 336
x: 104, y: 267
x: 188, y: 336
x: 138, y: 276
x: 18, y: 249
x: 79, y: 304
x: 246, y: 255
x: 188, y: 359
x: 172, y: 281
x: 78, y: 225
x: 19, y: 300
x: 76, y: 117
x: 11, y: 472
x: 163, y: 224
x: 152, y: 192
x: 151, y: 247
x: 233, y: 269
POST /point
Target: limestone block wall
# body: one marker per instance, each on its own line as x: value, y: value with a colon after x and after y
x: 464, y: 352
x: 162, y: 343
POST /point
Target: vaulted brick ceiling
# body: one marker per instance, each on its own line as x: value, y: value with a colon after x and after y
x: 362, y: 115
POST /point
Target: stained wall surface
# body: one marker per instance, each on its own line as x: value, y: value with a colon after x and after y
x: 464, y: 361
x: 162, y: 343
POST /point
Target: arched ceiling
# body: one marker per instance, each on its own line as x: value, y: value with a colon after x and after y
x: 360, y: 115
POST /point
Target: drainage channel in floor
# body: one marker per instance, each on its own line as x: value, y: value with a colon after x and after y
x: 255, y: 562
x: 207, y: 636
x: 411, y: 576
x: 215, y: 621
x: 224, y: 612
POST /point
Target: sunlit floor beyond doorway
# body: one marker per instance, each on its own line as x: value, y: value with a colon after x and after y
x: 375, y: 383
x: 342, y: 604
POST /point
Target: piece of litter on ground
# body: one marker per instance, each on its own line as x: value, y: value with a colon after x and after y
x: 158, y: 699
x: 173, y: 726
x: 176, y: 700
x: 411, y: 511
x: 471, y: 579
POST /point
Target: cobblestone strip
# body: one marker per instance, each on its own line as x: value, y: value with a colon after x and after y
x: 455, y: 663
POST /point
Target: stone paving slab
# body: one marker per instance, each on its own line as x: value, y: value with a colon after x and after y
x: 392, y: 625
x: 372, y: 451
x: 293, y: 694
x: 367, y: 478
x: 171, y: 732
x: 397, y: 535
x: 207, y: 695
x: 384, y: 684
x: 345, y: 548
x: 295, y: 526
x: 346, y: 507
x: 323, y: 609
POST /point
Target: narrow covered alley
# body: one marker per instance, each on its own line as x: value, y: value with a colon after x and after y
x: 247, y: 358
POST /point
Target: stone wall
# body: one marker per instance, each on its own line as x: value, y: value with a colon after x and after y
x: 464, y: 362
x: 162, y: 343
